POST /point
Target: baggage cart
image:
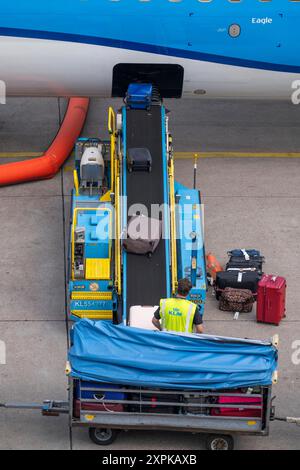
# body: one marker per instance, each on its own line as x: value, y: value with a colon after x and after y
x: 220, y: 412
x: 189, y: 411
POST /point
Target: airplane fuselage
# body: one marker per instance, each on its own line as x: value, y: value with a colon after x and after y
x: 225, y: 48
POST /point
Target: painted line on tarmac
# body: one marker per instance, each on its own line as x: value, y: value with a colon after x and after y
x: 20, y: 154
x: 177, y: 155
x: 68, y: 168
x: 192, y: 155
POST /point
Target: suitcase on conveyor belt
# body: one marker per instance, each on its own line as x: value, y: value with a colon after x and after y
x: 237, y: 280
x: 271, y: 296
x: 139, y: 159
x: 143, y: 235
x: 139, y: 95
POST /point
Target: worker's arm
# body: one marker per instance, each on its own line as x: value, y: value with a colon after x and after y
x: 156, y: 323
x: 156, y: 319
x: 198, y: 322
x: 199, y: 329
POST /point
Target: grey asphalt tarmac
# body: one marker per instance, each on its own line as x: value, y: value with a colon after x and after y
x: 251, y: 202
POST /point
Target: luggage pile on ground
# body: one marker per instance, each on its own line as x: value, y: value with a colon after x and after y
x: 243, y: 282
x: 236, y: 287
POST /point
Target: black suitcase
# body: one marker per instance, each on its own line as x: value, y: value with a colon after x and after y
x: 139, y: 159
x: 154, y: 407
x: 258, y: 260
x: 243, y: 264
x: 237, y: 280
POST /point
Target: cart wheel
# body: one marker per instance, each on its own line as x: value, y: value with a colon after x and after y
x: 219, y: 442
x: 102, y: 437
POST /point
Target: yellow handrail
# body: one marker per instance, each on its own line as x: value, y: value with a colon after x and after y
x: 118, y: 281
x: 75, y: 214
x: 111, y: 121
x: 173, y: 229
x: 115, y: 188
x: 76, y: 182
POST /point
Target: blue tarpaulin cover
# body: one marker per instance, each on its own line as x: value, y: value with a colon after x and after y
x: 122, y: 355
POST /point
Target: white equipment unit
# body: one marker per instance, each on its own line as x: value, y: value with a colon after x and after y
x: 141, y: 317
x: 92, y: 167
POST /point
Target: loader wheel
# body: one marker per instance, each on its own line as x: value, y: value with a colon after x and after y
x: 102, y: 437
x: 219, y: 442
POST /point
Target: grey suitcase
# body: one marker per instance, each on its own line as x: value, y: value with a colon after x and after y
x: 139, y: 159
x: 143, y: 235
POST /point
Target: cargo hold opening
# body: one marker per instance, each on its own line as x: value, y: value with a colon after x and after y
x: 167, y: 78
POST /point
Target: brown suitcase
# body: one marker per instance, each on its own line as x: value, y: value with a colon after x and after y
x: 143, y: 235
x: 236, y: 300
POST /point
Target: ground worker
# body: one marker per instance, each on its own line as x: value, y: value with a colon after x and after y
x: 179, y: 314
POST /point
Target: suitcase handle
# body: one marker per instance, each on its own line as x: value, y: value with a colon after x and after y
x: 99, y: 397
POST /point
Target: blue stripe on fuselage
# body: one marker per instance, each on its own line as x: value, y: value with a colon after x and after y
x: 148, y: 48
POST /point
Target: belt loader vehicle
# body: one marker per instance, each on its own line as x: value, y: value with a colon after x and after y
x: 105, y: 280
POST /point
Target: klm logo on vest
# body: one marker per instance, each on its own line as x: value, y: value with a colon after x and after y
x: 175, y: 312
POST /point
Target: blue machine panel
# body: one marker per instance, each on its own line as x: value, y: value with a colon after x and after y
x: 190, y: 242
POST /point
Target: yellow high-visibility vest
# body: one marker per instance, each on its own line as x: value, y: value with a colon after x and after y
x: 177, y: 315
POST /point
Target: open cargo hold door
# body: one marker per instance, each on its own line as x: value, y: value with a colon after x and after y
x: 167, y: 78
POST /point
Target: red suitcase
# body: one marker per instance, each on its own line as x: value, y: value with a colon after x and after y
x: 239, y: 411
x: 271, y: 296
x: 109, y: 407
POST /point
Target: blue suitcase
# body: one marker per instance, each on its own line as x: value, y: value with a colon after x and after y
x: 96, y: 391
x: 139, y: 96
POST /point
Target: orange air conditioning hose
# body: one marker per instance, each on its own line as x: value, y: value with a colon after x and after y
x: 46, y: 166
